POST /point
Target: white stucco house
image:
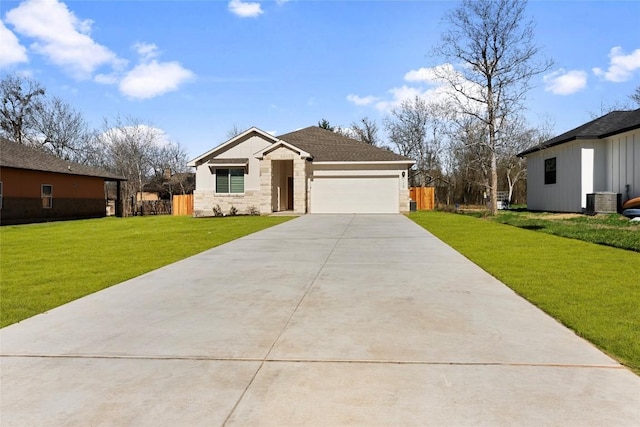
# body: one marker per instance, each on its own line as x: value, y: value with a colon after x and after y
x: 601, y: 156
x: 311, y: 170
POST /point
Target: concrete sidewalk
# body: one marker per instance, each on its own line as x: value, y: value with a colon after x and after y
x: 325, y: 320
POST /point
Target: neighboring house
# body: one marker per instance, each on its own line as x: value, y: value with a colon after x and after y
x: 166, y: 186
x: 311, y: 170
x: 147, y: 196
x: 36, y: 186
x: 600, y: 156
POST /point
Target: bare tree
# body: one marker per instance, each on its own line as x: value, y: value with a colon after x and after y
x: 470, y: 162
x: 21, y: 101
x: 366, y: 131
x: 521, y: 137
x: 413, y: 129
x: 606, y: 108
x: 132, y: 149
x: 62, y: 131
x: 172, y: 161
x: 494, y: 42
x: 635, y: 97
x: 234, y: 131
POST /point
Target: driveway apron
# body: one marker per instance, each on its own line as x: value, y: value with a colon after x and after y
x: 324, y: 320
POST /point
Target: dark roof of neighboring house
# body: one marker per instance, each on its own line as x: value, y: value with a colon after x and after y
x: 610, y: 124
x: 327, y: 146
x: 14, y: 155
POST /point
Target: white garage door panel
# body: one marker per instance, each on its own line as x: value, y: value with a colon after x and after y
x: 354, y: 195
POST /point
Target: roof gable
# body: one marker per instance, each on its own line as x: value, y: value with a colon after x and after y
x: 610, y: 124
x: 19, y: 156
x: 231, y: 143
x: 303, y: 154
x: 327, y: 146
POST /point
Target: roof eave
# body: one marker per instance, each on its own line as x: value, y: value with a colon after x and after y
x: 545, y: 146
x: 365, y: 162
x: 616, y: 132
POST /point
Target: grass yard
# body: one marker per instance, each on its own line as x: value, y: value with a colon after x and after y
x: 46, y: 265
x: 592, y: 289
x: 611, y: 230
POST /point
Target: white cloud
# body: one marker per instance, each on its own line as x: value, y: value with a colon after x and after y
x: 435, y: 85
x: 431, y: 85
x: 621, y: 66
x: 12, y: 51
x: 148, y: 80
x: 433, y: 75
x: 151, y: 78
x: 107, y: 79
x: 61, y: 37
x: 399, y: 94
x: 360, y: 101
x: 155, y: 135
x: 564, y: 82
x: 245, y: 9
x: 147, y: 51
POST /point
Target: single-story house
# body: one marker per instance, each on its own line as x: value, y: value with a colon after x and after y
x: 601, y: 156
x: 36, y: 187
x: 312, y: 170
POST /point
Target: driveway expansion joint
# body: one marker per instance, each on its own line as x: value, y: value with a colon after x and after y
x: 328, y: 361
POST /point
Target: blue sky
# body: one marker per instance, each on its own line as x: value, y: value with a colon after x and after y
x: 197, y: 68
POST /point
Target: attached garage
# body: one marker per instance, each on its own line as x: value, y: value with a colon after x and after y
x: 311, y: 170
x: 362, y: 194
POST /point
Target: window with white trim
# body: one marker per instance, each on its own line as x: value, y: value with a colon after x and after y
x: 229, y: 181
x: 47, y: 196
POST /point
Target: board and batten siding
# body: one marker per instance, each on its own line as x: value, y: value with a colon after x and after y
x: 580, y: 169
x: 584, y: 166
x: 623, y: 163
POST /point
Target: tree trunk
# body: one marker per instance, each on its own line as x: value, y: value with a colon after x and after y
x: 494, y: 184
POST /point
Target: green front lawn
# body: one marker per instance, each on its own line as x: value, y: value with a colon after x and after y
x: 593, y: 289
x: 43, y: 266
x: 611, y: 230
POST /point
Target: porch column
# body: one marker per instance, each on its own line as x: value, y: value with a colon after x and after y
x: 265, y: 186
x: 119, y: 199
x: 299, y: 186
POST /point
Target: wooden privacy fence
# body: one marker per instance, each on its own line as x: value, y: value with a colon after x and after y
x: 183, y: 204
x: 424, y: 197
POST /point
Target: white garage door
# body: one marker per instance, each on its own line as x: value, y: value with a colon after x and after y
x: 354, y: 195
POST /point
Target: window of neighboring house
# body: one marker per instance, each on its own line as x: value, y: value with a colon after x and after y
x: 0, y: 194
x: 550, y: 171
x: 47, y: 196
x: 229, y: 180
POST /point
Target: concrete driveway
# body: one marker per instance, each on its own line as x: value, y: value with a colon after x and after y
x: 325, y: 320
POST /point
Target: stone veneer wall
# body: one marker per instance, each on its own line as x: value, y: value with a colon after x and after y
x: 299, y: 180
x: 404, y: 200
x: 205, y: 201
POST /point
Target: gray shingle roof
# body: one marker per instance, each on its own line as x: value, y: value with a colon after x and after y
x: 327, y: 146
x: 14, y: 155
x: 239, y: 161
x: 610, y: 124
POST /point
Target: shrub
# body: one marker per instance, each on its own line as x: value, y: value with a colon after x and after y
x: 217, y: 211
x: 233, y: 211
x: 253, y: 211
